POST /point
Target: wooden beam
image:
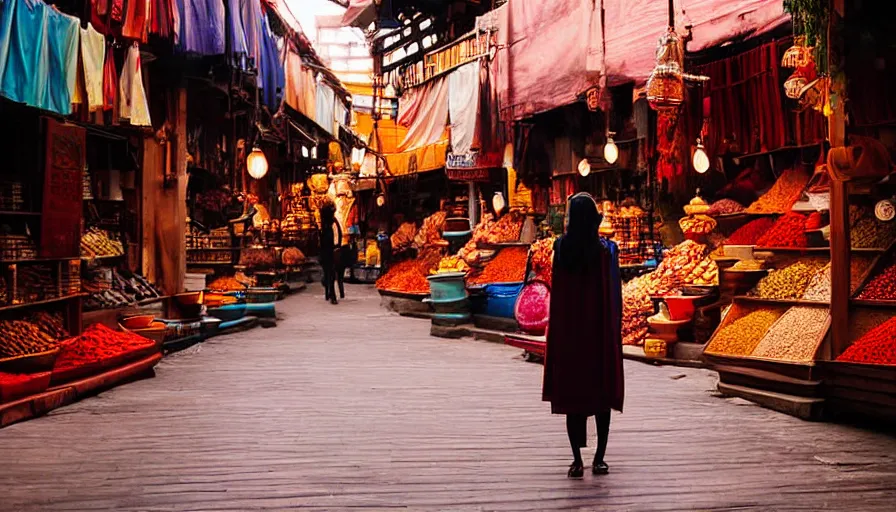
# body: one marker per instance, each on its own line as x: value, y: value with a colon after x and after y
x: 840, y: 240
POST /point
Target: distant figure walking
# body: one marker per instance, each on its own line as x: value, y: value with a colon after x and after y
x: 583, y: 362
x: 330, y: 240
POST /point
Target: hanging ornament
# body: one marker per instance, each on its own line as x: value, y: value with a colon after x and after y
x: 665, y: 87
x: 257, y: 163
x: 799, y: 55
x: 700, y: 159
x: 611, y: 152
x: 795, y: 84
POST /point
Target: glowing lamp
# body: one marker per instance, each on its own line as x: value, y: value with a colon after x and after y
x: 380, y: 200
x: 611, y: 152
x: 257, y: 163
x: 584, y: 167
x: 498, y: 202
x: 700, y: 160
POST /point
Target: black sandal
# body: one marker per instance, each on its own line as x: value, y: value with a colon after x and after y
x: 600, y: 468
x: 576, y: 471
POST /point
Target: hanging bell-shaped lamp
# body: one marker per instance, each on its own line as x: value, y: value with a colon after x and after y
x: 665, y: 86
x: 257, y: 163
x: 799, y: 55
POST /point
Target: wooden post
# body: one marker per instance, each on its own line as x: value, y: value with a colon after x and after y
x: 840, y: 242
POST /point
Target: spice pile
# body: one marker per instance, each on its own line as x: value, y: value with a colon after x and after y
x: 795, y: 336
x: 431, y: 231
x: 292, y: 256
x: 451, y: 264
x: 21, y: 337
x: 748, y: 265
x: 509, y: 266
x: 882, y: 286
x: 788, y: 231
x: 507, y: 229
x: 789, y: 282
x: 815, y: 221
x: 750, y: 232
x: 783, y: 194
x: 741, y: 336
x: 97, y: 243
x: 409, y: 276
x: 543, y: 258
x: 869, y: 233
x: 227, y: 284
x: 98, y: 343
x: 724, y: 207
x: 403, y: 237
x: 819, y: 288
x: 877, y: 346
x: 258, y: 258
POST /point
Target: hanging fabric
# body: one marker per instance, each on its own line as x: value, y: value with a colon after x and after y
x: 301, y: 88
x: 93, y: 47
x: 133, y: 106
x: 463, y: 108
x: 201, y: 28
x: 325, y: 114
x: 160, y: 18
x: 250, y: 10
x: 23, y: 50
x: 110, y: 81
x: 270, y: 68
x: 63, y: 40
x: 428, y: 126
x: 135, y: 20
x: 235, y: 28
x: 409, y: 107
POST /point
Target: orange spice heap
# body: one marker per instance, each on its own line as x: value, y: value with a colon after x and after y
x: 509, y: 266
x: 410, y: 276
x: 785, y: 192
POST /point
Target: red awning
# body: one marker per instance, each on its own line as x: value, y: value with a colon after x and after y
x: 360, y: 13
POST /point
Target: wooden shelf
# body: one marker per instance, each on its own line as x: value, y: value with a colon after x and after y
x: 807, y: 250
x: 210, y: 264
x: 228, y: 249
x: 773, y: 151
x: 783, y: 302
x: 37, y: 260
x: 884, y: 304
x: 41, y: 302
x: 95, y: 258
x: 6, y: 213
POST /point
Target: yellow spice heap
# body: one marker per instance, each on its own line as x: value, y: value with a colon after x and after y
x: 740, y: 337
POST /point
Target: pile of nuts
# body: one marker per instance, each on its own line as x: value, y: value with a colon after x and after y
x: 740, y: 337
x: 869, y: 233
x: 748, y: 265
x: 882, y: 287
x: 819, y: 288
x: 785, y: 192
x: 795, y: 336
x: 789, y: 282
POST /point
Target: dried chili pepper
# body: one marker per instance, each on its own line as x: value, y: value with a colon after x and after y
x: 98, y: 343
x: 788, y: 231
x: 750, y: 232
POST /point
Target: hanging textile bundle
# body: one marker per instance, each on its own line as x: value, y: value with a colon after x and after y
x: 665, y: 86
x: 799, y: 55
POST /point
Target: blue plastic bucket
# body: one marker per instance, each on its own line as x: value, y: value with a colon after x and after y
x: 501, y: 299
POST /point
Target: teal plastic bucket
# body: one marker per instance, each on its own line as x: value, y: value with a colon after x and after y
x: 447, y: 287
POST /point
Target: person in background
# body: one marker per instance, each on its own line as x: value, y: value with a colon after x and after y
x: 583, y: 361
x: 330, y: 240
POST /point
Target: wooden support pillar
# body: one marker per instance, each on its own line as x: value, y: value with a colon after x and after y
x: 840, y: 241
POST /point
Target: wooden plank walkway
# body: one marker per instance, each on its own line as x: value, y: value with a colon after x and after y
x: 348, y: 407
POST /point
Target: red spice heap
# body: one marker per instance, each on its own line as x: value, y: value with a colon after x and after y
x: 877, y: 346
x: 509, y: 266
x: 750, y: 232
x: 97, y: 343
x: 788, y: 231
x: 11, y: 379
x: 814, y: 221
x: 882, y: 287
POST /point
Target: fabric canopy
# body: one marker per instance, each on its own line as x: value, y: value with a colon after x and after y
x: 360, y: 13
x: 463, y: 107
x: 551, y: 52
x: 301, y: 89
x: 428, y: 126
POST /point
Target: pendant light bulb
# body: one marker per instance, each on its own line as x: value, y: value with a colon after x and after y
x: 701, y: 159
x: 257, y: 163
x: 584, y: 167
x: 498, y: 202
x: 380, y: 200
x: 611, y: 152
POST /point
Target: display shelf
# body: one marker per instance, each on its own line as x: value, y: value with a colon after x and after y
x: 222, y: 249
x: 41, y: 302
x: 798, y: 250
x: 882, y: 304
x: 783, y: 302
x: 101, y: 258
x: 858, y: 388
x: 210, y: 264
x: 8, y: 213
x: 37, y: 260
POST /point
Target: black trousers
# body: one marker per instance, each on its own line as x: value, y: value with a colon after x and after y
x: 577, y: 430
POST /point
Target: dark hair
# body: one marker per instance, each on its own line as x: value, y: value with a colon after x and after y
x: 581, y: 242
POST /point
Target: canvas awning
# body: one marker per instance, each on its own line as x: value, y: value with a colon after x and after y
x: 360, y: 14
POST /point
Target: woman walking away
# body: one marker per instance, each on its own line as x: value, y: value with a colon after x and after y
x: 330, y: 238
x: 583, y: 362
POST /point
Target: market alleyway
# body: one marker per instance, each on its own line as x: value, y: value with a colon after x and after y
x: 352, y: 407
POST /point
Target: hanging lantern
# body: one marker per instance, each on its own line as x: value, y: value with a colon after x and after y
x: 584, y: 167
x: 611, y: 152
x: 665, y: 87
x: 380, y: 200
x: 794, y: 85
x: 700, y: 159
x: 257, y: 163
x: 799, y: 55
x: 498, y: 202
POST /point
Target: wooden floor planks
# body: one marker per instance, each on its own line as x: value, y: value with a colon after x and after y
x: 347, y: 407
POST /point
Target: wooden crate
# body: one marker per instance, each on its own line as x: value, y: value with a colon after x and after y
x: 863, y: 389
